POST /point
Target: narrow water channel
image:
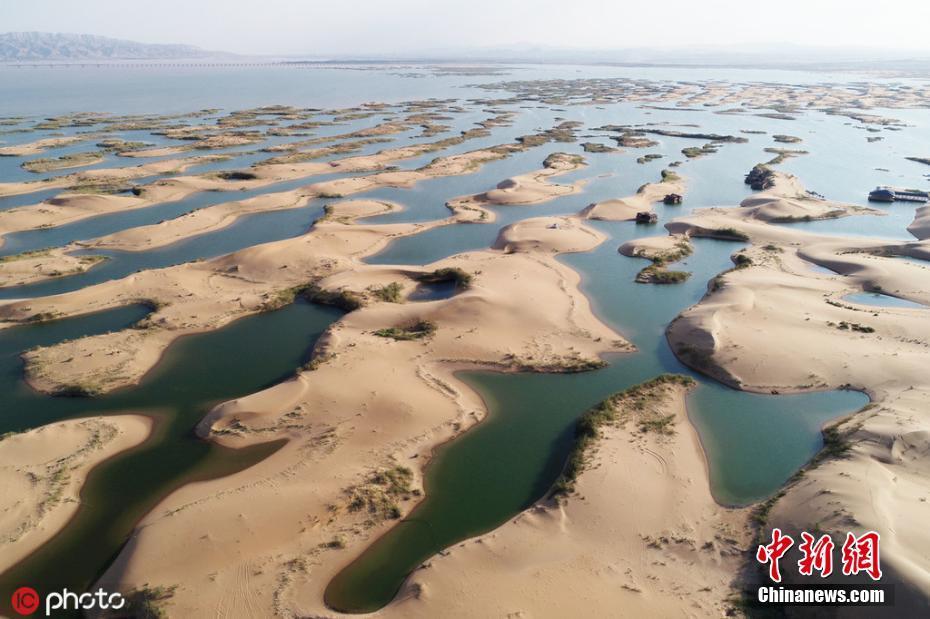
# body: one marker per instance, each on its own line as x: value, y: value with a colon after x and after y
x: 196, y: 373
x: 475, y: 483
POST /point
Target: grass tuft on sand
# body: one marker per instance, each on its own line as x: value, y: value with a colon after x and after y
x: 640, y: 403
x: 418, y: 330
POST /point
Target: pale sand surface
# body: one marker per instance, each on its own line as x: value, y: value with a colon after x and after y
x: 780, y: 306
x: 103, y: 175
x: 216, y: 217
x: 528, y: 313
x: 199, y: 296
x: 651, y: 247
x: 548, y: 234
x: 788, y: 200
x: 641, y: 537
x: 161, y: 151
x: 39, y: 146
x: 57, y: 211
x: 372, y: 403
x: 54, y: 164
x: 882, y: 483
x: 920, y: 227
x: 42, y: 265
x: 190, y: 297
x: 626, y: 208
x: 69, y: 208
x: 525, y: 189
x: 42, y: 471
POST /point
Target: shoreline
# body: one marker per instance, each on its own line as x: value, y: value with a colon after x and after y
x: 130, y: 431
x: 515, y: 545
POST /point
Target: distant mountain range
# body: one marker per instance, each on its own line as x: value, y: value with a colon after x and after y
x: 57, y: 47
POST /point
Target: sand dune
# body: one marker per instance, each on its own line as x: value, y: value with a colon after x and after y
x: 640, y: 535
x: 626, y: 208
x: 209, y: 219
x: 651, y: 247
x: 548, y: 234
x: 40, y: 146
x: 675, y: 554
x: 813, y: 339
x: 350, y: 416
x: 43, y: 471
x: 920, y: 227
x: 41, y: 265
x: 788, y: 201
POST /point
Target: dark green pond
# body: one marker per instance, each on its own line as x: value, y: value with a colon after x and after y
x: 197, y: 372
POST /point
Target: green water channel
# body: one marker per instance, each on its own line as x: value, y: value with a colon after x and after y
x: 196, y: 373
x: 505, y: 464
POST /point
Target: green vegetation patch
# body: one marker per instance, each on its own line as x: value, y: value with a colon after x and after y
x: 461, y: 278
x: 391, y: 293
x: 781, y: 154
x: 379, y: 494
x: 640, y: 403
x: 59, y: 163
x: 343, y: 299
x: 595, y: 147
x: 236, y: 175
x: 851, y: 326
x: 648, y: 157
x: 418, y: 330
x: 556, y: 160
x: 725, y: 234
x: 26, y: 255
x: 693, y: 152
x: 654, y: 274
x: 670, y: 176
x: 149, y: 602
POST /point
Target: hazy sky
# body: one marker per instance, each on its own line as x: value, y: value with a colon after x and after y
x: 404, y: 26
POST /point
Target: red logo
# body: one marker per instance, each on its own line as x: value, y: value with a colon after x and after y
x: 859, y: 554
x: 25, y: 600
x: 818, y: 555
x: 771, y: 553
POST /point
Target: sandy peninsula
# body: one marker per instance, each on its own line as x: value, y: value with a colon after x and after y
x: 44, y: 469
x: 623, y: 209
x: 676, y: 553
x: 813, y: 340
x: 530, y: 316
